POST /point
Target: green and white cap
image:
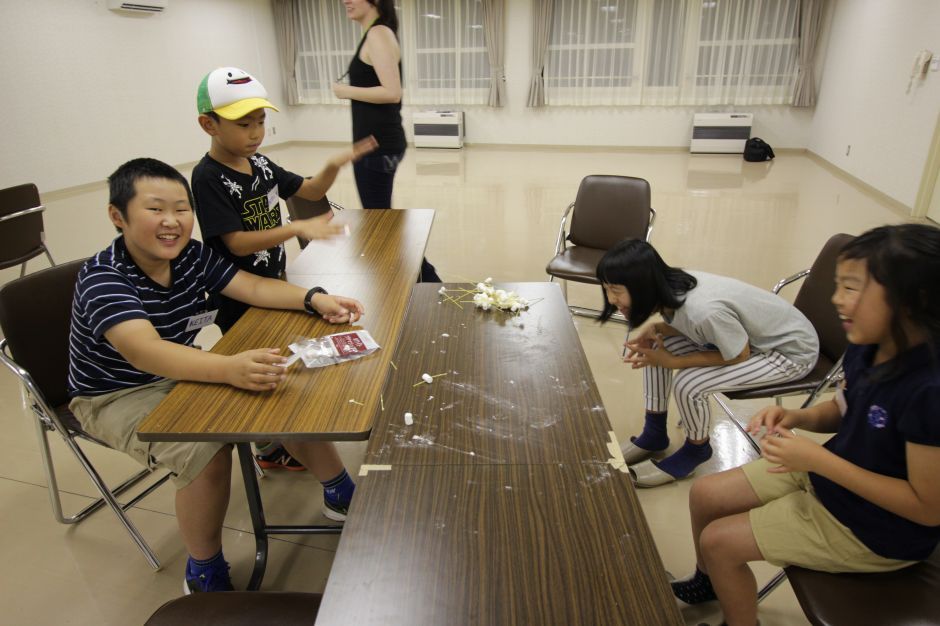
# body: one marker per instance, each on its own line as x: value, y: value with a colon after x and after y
x: 232, y: 93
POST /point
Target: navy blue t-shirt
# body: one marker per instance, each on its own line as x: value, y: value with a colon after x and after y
x: 881, y: 417
x: 111, y: 289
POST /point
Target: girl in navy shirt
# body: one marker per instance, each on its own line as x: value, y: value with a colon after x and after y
x: 867, y: 500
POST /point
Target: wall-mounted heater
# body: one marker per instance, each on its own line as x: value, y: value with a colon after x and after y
x: 438, y: 129
x: 721, y: 132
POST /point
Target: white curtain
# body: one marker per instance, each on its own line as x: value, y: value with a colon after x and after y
x: 445, y: 52
x: 672, y: 52
x: 326, y: 40
x: 285, y: 25
x: 494, y: 18
x: 541, y: 36
x: 811, y: 17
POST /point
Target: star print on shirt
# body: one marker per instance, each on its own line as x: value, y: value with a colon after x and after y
x: 262, y: 164
x: 232, y: 186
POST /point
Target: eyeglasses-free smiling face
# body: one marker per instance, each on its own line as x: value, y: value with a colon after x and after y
x: 158, y: 222
x: 618, y: 296
x: 862, y: 306
x: 357, y: 9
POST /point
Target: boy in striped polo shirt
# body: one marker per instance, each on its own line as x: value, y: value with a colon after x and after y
x: 137, y: 308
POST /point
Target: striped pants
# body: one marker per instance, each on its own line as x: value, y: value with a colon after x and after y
x: 692, y: 386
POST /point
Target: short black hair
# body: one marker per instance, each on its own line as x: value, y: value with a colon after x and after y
x: 652, y: 284
x: 122, y: 183
x: 213, y: 115
x: 905, y: 260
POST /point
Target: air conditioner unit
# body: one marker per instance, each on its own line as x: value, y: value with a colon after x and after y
x: 721, y: 132
x: 138, y: 6
x: 438, y: 129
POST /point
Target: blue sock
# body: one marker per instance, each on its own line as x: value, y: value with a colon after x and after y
x: 654, y: 436
x: 339, y: 489
x: 196, y: 567
x: 683, y: 461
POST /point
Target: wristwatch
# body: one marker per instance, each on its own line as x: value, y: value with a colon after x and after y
x: 307, y: 304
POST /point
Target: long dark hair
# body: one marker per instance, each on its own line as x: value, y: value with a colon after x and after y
x: 905, y: 260
x: 387, y: 15
x: 652, y: 284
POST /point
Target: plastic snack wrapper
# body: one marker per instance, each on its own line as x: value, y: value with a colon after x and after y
x: 333, y: 349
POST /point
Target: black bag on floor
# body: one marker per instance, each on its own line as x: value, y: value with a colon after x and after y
x: 756, y: 149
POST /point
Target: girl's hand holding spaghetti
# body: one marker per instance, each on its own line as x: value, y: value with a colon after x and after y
x: 791, y: 452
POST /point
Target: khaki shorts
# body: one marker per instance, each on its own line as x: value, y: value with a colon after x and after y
x: 794, y: 528
x: 113, y: 418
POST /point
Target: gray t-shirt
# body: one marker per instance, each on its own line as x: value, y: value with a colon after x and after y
x: 729, y: 314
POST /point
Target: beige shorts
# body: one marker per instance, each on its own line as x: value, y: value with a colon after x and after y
x: 113, y: 418
x: 794, y: 528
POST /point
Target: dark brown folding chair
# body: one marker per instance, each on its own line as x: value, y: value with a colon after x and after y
x: 606, y: 210
x: 814, y: 300
x: 906, y: 597
x: 21, y: 230
x: 300, y: 209
x: 239, y: 608
x: 35, y: 313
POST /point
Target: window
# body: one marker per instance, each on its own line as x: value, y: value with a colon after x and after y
x: 613, y: 52
x: 444, y: 55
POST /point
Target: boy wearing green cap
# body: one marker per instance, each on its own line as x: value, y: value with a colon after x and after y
x: 236, y: 190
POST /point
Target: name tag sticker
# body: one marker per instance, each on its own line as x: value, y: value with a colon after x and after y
x: 273, y: 199
x: 201, y: 320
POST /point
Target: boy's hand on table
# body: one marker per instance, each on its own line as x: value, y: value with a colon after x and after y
x: 319, y: 227
x: 256, y: 370
x: 337, y: 309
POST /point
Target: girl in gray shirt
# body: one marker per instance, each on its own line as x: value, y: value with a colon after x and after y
x: 718, y: 334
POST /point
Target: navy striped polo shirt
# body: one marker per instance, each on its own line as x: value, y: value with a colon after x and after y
x: 111, y: 289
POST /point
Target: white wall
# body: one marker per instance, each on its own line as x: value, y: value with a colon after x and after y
x: 781, y: 126
x: 87, y: 88
x: 862, y: 100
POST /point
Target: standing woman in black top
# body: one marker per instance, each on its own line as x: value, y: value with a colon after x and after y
x: 374, y: 90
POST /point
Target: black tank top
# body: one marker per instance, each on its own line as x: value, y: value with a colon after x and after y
x: 383, y: 121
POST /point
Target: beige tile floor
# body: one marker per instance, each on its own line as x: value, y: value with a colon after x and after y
x: 497, y: 215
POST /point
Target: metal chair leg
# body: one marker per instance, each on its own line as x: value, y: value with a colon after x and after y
x: 115, y: 506
x: 107, y: 495
x: 775, y: 582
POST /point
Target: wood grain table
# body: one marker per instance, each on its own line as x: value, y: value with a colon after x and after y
x: 498, y: 504
x: 507, y: 388
x: 498, y: 545
x: 377, y: 264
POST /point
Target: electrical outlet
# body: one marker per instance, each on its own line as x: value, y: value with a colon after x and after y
x: 273, y: 130
x: 848, y: 149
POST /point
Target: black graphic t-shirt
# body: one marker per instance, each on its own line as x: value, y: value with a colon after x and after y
x: 228, y: 201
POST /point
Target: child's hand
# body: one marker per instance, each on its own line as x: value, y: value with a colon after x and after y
x: 791, y: 452
x: 337, y: 309
x: 644, y: 352
x: 255, y: 370
x: 319, y: 227
x: 359, y: 150
x: 766, y: 419
x: 646, y: 337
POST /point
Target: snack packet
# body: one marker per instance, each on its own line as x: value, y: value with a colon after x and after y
x: 332, y: 349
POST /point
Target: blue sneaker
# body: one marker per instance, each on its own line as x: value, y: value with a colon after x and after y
x: 213, y: 577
